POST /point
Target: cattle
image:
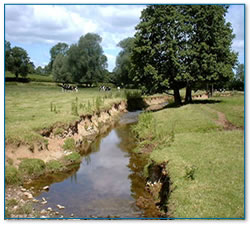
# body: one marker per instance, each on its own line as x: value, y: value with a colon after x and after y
x: 68, y: 88
x: 104, y: 88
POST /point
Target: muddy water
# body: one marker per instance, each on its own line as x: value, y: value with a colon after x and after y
x: 107, y: 182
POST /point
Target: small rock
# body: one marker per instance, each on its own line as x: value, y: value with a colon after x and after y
x: 23, y: 189
x: 28, y: 195
x: 43, y: 217
x: 35, y: 200
x: 15, y: 207
x: 46, y: 188
x: 43, y: 199
x: 61, y: 216
x: 60, y: 207
x: 72, y: 215
x: 43, y: 212
x: 57, y: 213
x: 49, y: 209
x: 32, y: 188
x: 44, y: 202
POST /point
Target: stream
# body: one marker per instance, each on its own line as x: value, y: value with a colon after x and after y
x: 108, y: 181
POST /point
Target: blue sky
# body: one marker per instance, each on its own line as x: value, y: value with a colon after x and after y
x: 37, y: 28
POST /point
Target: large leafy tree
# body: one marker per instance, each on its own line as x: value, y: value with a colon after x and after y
x: 19, y: 62
x: 158, y: 47
x: 123, y: 62
x: 61, y: 69
x: 86, y: 59
x: 210, y: 59
x: 59, y: 48
x: 8, y: 59
x: 180, y: 46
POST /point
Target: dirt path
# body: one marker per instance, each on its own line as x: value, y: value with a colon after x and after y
x: 222, y: 121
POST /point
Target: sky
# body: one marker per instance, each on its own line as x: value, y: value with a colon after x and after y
x: 37, y: 28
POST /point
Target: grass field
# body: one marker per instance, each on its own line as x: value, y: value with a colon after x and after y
x: 30, y: 107
x: 205, y: 162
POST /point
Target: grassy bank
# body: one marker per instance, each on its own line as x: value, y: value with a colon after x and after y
x: 31, y: 107
x: 205, y: 161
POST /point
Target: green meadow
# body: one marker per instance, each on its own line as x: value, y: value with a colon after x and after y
x: 31, y: 107
x: 205, y: 161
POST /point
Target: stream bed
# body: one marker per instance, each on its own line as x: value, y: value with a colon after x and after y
x: 108, y: 181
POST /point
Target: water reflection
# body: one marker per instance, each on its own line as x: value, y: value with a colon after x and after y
x: 108, y: 181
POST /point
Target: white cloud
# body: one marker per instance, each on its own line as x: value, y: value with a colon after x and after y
x: 50, y: 24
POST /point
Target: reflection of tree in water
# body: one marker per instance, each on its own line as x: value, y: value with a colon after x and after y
x: 137, y: 162
x: 87, y: 159
x: 73, y: 178
x: 127, y: 142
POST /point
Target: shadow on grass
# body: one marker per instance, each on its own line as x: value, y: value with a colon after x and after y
x: 204, y: 101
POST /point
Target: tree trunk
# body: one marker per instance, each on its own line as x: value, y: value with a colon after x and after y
x: 177, y: 97
x: 16, y: 76
x: 188, y: 97
x: 211, y: 90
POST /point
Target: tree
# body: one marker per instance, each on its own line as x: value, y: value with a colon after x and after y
x: 19, y: 62
x: 240, y: 73
x: 123, y: 62
x: 31, y: 67
x: 59, y: 48
x: 8, y: 59
x: 210, y: 59
x: 39, y: 70
x: 180, y: 46
x: 86, y: 59
x: 60, y: 69
x: 156, y: 63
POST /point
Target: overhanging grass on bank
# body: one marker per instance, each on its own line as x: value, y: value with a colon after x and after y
x: 204, y: 161
x: 31, y: 107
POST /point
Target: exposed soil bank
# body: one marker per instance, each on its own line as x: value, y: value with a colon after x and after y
x: 84, y: 131
x: 158, y: 188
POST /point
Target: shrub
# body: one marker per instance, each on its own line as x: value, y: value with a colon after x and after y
x: 145, y: 126
x: 32, y: 166
x: 134, y: 100
x: 133, y: 94
x: 12, y: 175
x: 54, y: 165
x: 69, y: 144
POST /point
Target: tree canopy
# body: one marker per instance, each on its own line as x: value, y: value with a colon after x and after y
x: 83, y: 62
x: 123, y: 63
x: 59, y: 48
x: 179, y: 46
x: 17, y: 60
